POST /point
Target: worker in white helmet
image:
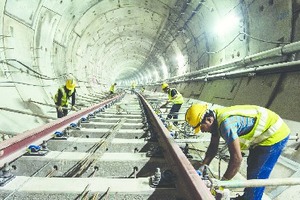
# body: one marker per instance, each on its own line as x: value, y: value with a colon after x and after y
x: 62, y: 96
x: 176, y: 98
x: 243, y: 127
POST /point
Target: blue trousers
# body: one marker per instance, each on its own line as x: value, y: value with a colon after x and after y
x: 174, y: 112
x: 261, y: 161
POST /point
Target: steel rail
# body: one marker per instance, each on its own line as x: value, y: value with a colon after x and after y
x: 189, y: 181
x: 16, y: 146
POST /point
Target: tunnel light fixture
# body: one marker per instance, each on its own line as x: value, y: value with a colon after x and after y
x: 180, y: 60
x: 226, y: 24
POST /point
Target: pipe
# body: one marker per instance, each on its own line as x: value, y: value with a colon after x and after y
x: 257, y: 182
x: 191, y: 140
x: 276, y: 52
x: 250, y: 70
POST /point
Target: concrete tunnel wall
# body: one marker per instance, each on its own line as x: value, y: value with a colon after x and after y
x: 55, y: 38
x: 278, y: 92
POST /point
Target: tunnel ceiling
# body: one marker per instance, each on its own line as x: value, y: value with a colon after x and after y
x: 121, y: 36
x: 114, y: 40
x: 137, y: 40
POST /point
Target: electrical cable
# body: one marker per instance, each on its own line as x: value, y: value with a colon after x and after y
x: 22, y: 83
x: 36, y: 74
x: 262, y: 40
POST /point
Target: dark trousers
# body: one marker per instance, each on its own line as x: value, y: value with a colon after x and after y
x: 174, y: 112
x: 63, y: 113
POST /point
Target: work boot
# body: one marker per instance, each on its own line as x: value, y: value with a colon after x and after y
x: 238, y: 198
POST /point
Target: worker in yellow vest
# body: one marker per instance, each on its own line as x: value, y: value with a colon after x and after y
x: 143, y: 89
x: 133, y: 85
x: 251, y: 127
x: 62, y: 96
x: 112, y: 88
x: 174, y: 97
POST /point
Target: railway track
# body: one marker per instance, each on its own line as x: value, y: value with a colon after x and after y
x: 118, y: 149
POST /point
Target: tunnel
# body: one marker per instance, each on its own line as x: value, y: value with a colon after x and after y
x: 224, y: 53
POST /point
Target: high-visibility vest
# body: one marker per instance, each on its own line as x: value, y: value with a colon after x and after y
x: 178, y: 99
x: 133, y: 86
x: 268, y: 128
x: 64, y: 99
x: 112, y: 88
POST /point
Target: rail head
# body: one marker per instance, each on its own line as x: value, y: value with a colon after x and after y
x: 16, y: 146
x: 189, y: 181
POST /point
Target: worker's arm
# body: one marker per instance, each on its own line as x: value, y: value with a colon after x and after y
x: 212, y: 149
x: 173, y: 96
x: 73, y: 97
x: 235, y: 160
x: 165, y: 104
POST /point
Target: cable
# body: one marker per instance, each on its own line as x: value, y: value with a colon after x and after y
x: 213, y: 52
x: 22, y: 83
x: 262, y: 40
x: 36, y: 74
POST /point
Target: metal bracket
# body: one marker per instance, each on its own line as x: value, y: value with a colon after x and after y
x: 6, y: 175
x: 165, y: 179
x: 155, y: 152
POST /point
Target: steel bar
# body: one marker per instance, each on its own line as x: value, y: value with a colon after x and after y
x: 257, y: 182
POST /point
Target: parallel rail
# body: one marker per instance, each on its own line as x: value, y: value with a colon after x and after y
x: 188, y: 182
x: 14, y: 147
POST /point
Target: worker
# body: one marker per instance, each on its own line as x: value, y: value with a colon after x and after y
x: 176, y: 98
x: 142, y: 89
x: 62, y: 96
x: 133, y: 85
x: 242, y: 127
x: 112, y: 88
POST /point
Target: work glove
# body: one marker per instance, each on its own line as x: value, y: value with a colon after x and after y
x: 73, y: 108
x: 202, y: 168
x: 59, y: 108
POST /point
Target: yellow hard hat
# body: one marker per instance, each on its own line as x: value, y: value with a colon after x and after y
x: 164, y: 85
x: 194, y: 115
x: 70, y: 84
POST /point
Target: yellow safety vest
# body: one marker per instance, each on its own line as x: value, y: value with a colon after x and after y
x: 178, y: 99
x: 64, y: 99
x: 268, y: 129
x: 112, y: 88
